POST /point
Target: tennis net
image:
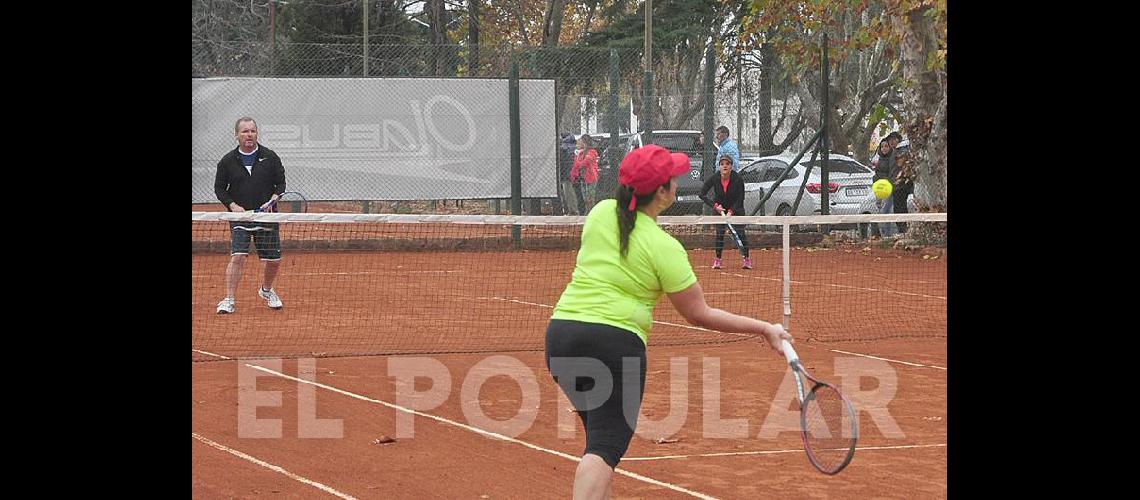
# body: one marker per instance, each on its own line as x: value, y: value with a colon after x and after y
x: 373, y: 284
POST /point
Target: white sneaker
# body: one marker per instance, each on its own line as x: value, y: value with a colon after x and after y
x: 226, y: 306
x: 270, y: 297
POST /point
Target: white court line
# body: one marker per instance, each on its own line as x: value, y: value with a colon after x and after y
x: 272, y: 467
x: 781, y: 280
x: 893, y: 278
x: 691, y: 327
x: 517, y: 301
x: 912, y: 294
x: 476, y: 430
x: 838, y: 286
x: 795, y: 282
x: 889, y: 360
x: 774, y: 452
x: 211, y: 354
x: 352, y: 273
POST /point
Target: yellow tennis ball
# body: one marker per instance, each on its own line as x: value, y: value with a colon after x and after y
x: 882, y: 188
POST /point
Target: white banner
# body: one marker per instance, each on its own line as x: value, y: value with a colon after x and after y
x: 381, y: 138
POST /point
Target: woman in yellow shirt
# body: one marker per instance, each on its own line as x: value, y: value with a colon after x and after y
x: 595, y: 342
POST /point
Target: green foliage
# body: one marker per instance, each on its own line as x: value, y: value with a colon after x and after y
x: 677, y: 24
x: 878, y: 114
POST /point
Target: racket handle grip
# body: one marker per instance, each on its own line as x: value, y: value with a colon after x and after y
x: 789, y: 353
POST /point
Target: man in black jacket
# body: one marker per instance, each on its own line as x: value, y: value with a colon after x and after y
x: 250, y: 177
x: 728, y: 188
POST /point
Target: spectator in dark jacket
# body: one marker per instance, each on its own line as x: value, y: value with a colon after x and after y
x: 884, y: 167
x: 571, y: 197
x: 882, y: 163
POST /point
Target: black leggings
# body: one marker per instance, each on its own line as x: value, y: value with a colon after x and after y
x: 601, y: 369
x: 721, y: 228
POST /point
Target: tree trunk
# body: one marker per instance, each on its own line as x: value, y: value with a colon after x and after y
x: 552, y: 26
x: 589, y: 19
x: 809, y: 106
x: 764, y: 122
x: 520, y: 19
x: 798, y: 125
x: 925, y: 104
x: 473, y: 37
x: 930, y: 188
x: 838, y: 142
x: 680, y: 76
x: 862, y: 152
x: 858, y: 132
x: 436, y: 19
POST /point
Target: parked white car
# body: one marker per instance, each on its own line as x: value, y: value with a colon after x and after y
x: 849, y: 186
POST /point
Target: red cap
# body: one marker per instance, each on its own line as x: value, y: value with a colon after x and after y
x: 647, y: 167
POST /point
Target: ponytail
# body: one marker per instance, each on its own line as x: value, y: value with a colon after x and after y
x: 627, y: 218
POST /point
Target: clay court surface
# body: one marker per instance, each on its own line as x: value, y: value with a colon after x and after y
x: 444, y: 459
x: 749, y: 450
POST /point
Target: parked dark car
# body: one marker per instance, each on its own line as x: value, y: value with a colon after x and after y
x: 688, y: 142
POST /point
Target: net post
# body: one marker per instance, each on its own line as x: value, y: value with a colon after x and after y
x: 787, y: 295
x: 516, y: 152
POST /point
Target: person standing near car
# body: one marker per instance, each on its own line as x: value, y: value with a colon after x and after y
x: 901, y: 177
x: 569, y: 193
x: 585, y: 172
x: 884, y: 166
x: 726, y: 146
x: 728, y: 199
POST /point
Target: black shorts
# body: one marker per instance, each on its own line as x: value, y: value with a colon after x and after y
x: 265, y: 236
x: 601, y: 369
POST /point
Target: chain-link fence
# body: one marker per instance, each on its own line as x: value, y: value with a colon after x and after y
x: 768, y: 108
x: 583, y: 75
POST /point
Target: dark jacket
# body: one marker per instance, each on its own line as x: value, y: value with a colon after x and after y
x: 884, y: 170
x: 566, y: 157
x: 732, y: 200
x: 250, y: 189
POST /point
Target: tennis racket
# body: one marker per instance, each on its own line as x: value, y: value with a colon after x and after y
x: 827, y: 420
x: 735, y: 237
x: 288, y: 202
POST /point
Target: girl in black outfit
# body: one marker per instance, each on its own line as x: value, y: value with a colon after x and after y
x: 728, y: 187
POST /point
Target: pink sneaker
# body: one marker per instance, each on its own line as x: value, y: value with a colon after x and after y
x: 716, y: 263
x: 747, y: 263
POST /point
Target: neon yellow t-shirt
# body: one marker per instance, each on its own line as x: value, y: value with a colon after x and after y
x: 622, y: 292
